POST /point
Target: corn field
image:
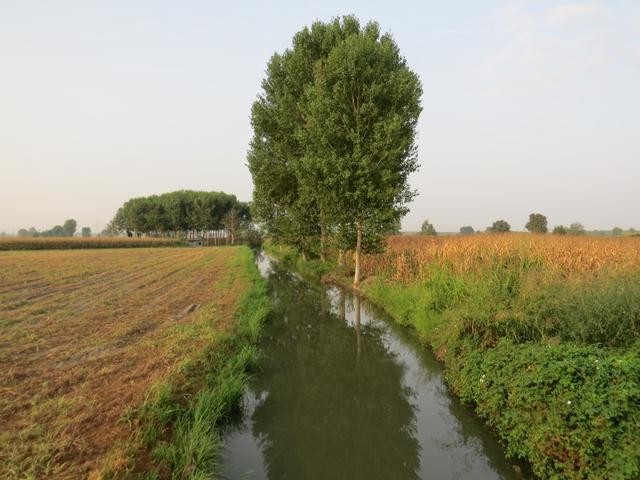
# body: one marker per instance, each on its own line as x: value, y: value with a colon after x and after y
x: 61, y: 243
x: 408, y: 258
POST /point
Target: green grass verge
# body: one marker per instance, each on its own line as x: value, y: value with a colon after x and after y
x: 179, y: 423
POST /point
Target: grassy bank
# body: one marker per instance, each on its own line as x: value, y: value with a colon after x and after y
x: 179, y: 423
x: 87, y: 335
x: 549, y: 357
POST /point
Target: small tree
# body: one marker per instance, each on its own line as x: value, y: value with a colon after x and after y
x: 499, y: 226
x: 23, y: 232
x: 576, y: 228
x: 69, y: 228
x: 559, y: 230
x: 537, y: 223
x: 110, y: 230
x: 86, y: 232
x: 427, y: 229
x: 234, y: 220
x: 467, y: 230
x: 617, y: 231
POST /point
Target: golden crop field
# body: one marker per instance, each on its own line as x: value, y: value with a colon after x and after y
x: 83, y: 336
x: 407, y: 257
x: 54, y: 243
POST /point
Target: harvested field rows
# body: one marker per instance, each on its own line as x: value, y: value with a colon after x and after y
x: 85, y: 333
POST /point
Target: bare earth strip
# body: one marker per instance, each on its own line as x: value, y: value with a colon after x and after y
x: 85, y: 333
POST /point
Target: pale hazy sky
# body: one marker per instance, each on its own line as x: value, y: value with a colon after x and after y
x: 528, y: 105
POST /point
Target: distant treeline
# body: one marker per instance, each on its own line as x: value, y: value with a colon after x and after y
x: 181, y: 212
x: 67, y: 229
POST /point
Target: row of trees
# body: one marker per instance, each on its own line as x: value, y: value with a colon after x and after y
x: 333, y: 141
x: 67, y: 229
x: 181, y: 212
x: 537, y: 224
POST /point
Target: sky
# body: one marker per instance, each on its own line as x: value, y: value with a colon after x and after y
x: 528, y: 106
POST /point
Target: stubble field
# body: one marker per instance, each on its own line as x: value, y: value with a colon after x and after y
x: 84, y: 334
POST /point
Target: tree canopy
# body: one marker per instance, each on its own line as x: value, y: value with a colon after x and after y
x: 427, y: 228
x: 333, y: 143
x: 180, y: 211
x: 499, y: 226
x: 537, y: 223
x: 467, y: 230
x: 559, y: 230
x: 576, y: 228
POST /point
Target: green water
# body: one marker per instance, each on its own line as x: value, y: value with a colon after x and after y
x: 344, y: 393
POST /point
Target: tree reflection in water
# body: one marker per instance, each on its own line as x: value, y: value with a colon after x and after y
x: 330, y: 409
x: 345, y: 394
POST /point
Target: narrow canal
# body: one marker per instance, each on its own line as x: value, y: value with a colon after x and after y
x: 345, y: 393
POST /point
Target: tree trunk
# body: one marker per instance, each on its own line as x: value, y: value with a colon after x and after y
x: 356, y: 275
x: 358, y: 339
x: 323, y: 241
x: 341, y: 258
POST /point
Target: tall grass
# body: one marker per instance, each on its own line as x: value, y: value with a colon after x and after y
x: 181, y: 419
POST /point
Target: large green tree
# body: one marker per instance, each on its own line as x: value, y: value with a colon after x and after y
x: 334, y: 137
x: 362, y: 114
x: 175, y: 212
x: 288, y: 196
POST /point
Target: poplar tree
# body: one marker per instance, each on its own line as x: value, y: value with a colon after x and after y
x: 362, y: 115
x: 334, y: 138
x: 286, y: 201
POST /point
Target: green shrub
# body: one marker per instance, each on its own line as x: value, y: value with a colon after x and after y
x: 572, y: 411
x: 553, y: 364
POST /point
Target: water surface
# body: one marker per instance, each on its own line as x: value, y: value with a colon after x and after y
x: 345, y: 393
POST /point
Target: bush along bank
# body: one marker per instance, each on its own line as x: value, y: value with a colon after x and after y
x: 311, y: 269
x: 552, y: 364
x: 178, y: 426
